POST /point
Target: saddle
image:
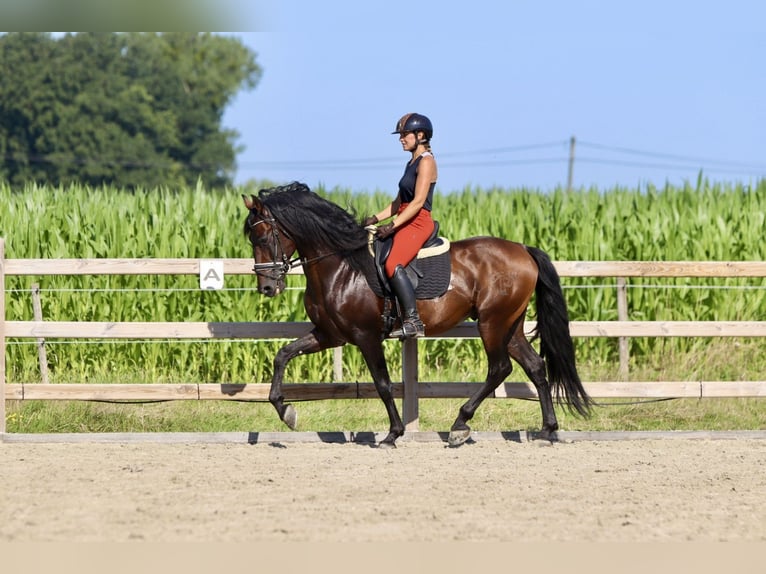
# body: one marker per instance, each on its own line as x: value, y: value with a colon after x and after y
x: 429, y: 273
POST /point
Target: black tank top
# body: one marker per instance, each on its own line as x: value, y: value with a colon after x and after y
x: 407, y: 183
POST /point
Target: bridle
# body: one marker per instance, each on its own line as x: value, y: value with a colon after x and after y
x: 281, y: 264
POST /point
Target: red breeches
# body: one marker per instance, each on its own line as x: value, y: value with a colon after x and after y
x: 408, y: 239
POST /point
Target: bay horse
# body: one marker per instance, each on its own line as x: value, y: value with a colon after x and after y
x: 492, y: 281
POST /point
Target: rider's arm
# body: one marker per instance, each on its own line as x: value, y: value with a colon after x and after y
x: 389, y: 211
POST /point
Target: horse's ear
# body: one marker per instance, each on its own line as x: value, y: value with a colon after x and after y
x: 252, y: 202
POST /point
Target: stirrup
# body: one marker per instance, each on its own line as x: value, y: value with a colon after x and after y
x: 411, y: 328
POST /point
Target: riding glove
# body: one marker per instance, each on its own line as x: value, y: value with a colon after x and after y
x: 385, y: 230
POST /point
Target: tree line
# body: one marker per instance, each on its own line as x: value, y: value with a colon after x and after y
x: 120, y: 109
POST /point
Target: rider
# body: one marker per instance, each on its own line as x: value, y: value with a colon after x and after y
x: 412, y: 224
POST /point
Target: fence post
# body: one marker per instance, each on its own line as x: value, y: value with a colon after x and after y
x: 337, y: 364
x: 41, y: 353
x: 2, y: 335
x: 622, y: 315
x: 410, y: 381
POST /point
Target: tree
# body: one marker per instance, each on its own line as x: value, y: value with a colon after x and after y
x: 134, y: 109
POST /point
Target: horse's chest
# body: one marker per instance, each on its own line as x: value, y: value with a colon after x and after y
x: 332, y: 308
x: 319, y: 307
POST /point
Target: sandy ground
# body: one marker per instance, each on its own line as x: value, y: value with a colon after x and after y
x: 623, y: 491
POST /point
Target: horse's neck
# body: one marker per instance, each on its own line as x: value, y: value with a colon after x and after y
x: 325, y: 264
x: 313, y: 257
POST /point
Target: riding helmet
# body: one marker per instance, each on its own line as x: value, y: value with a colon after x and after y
x: 414, y: 123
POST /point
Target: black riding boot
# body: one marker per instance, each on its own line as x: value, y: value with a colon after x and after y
x: 412, y: 326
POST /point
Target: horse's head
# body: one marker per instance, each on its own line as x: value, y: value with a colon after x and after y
x: 272, y: 248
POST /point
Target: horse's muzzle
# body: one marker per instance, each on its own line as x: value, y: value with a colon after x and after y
x: 271, y: 289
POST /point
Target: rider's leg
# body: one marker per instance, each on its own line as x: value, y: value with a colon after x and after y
x: 412, y: 326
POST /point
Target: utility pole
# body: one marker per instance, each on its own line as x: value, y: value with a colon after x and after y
x: 570, y: 172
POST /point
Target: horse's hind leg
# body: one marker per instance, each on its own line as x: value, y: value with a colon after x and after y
x: 498, y: 369
x: 534, y: 366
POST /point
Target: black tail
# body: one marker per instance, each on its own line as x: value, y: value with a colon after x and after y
x: 556, y: 346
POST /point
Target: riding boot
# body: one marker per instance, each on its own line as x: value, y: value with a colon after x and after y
x: 412, y: 326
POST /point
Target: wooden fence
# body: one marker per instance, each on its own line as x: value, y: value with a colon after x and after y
x: 410, y: 389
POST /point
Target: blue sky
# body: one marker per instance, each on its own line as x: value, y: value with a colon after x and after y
x: 653, y: 91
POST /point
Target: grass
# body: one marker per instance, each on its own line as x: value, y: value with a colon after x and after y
x: 369, y: 415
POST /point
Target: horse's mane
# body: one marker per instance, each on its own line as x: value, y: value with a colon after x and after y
x: 310, y: 219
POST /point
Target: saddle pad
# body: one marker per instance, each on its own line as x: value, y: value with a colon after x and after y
x: 433, y: 274
x: 435, y: 271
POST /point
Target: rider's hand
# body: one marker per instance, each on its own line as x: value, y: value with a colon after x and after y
x: 372, y: 220
x: 385, y: 230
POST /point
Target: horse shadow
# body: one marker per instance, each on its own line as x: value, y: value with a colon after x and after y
x: 370, y: 438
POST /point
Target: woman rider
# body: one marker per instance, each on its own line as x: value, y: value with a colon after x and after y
x: 412, y: 224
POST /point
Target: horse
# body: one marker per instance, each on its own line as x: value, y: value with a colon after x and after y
x: 492, y: 281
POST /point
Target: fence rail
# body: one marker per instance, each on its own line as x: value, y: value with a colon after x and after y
x: 410, y: 389
x: 245, y: 267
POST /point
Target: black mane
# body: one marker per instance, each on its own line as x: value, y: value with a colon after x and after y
x: 310, y: 219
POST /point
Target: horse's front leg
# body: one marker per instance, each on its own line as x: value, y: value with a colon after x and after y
x: 372, y: 351
x: 310, y: 343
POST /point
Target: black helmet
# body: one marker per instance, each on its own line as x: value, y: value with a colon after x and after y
x: 414, y: 123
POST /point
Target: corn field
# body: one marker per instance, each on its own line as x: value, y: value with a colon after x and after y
x: 696, y: 222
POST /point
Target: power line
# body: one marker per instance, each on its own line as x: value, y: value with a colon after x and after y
x: 689, y: 162
x: 489, y: 163
x: 675, y: 162
x: 447, y: 163
x: 375, y: 162
x: 675, y: 167
x: 512, y: 149
x: 692, y: 159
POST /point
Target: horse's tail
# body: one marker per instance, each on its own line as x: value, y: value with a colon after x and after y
x: 556, y: 346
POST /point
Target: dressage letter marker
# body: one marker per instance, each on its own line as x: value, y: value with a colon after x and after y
x: 210, y: 274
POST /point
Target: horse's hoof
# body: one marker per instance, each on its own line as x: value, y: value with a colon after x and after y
x: 458, y: 437
x: 549, y: 436
x: 390, y: 440
x: 290, y: 417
